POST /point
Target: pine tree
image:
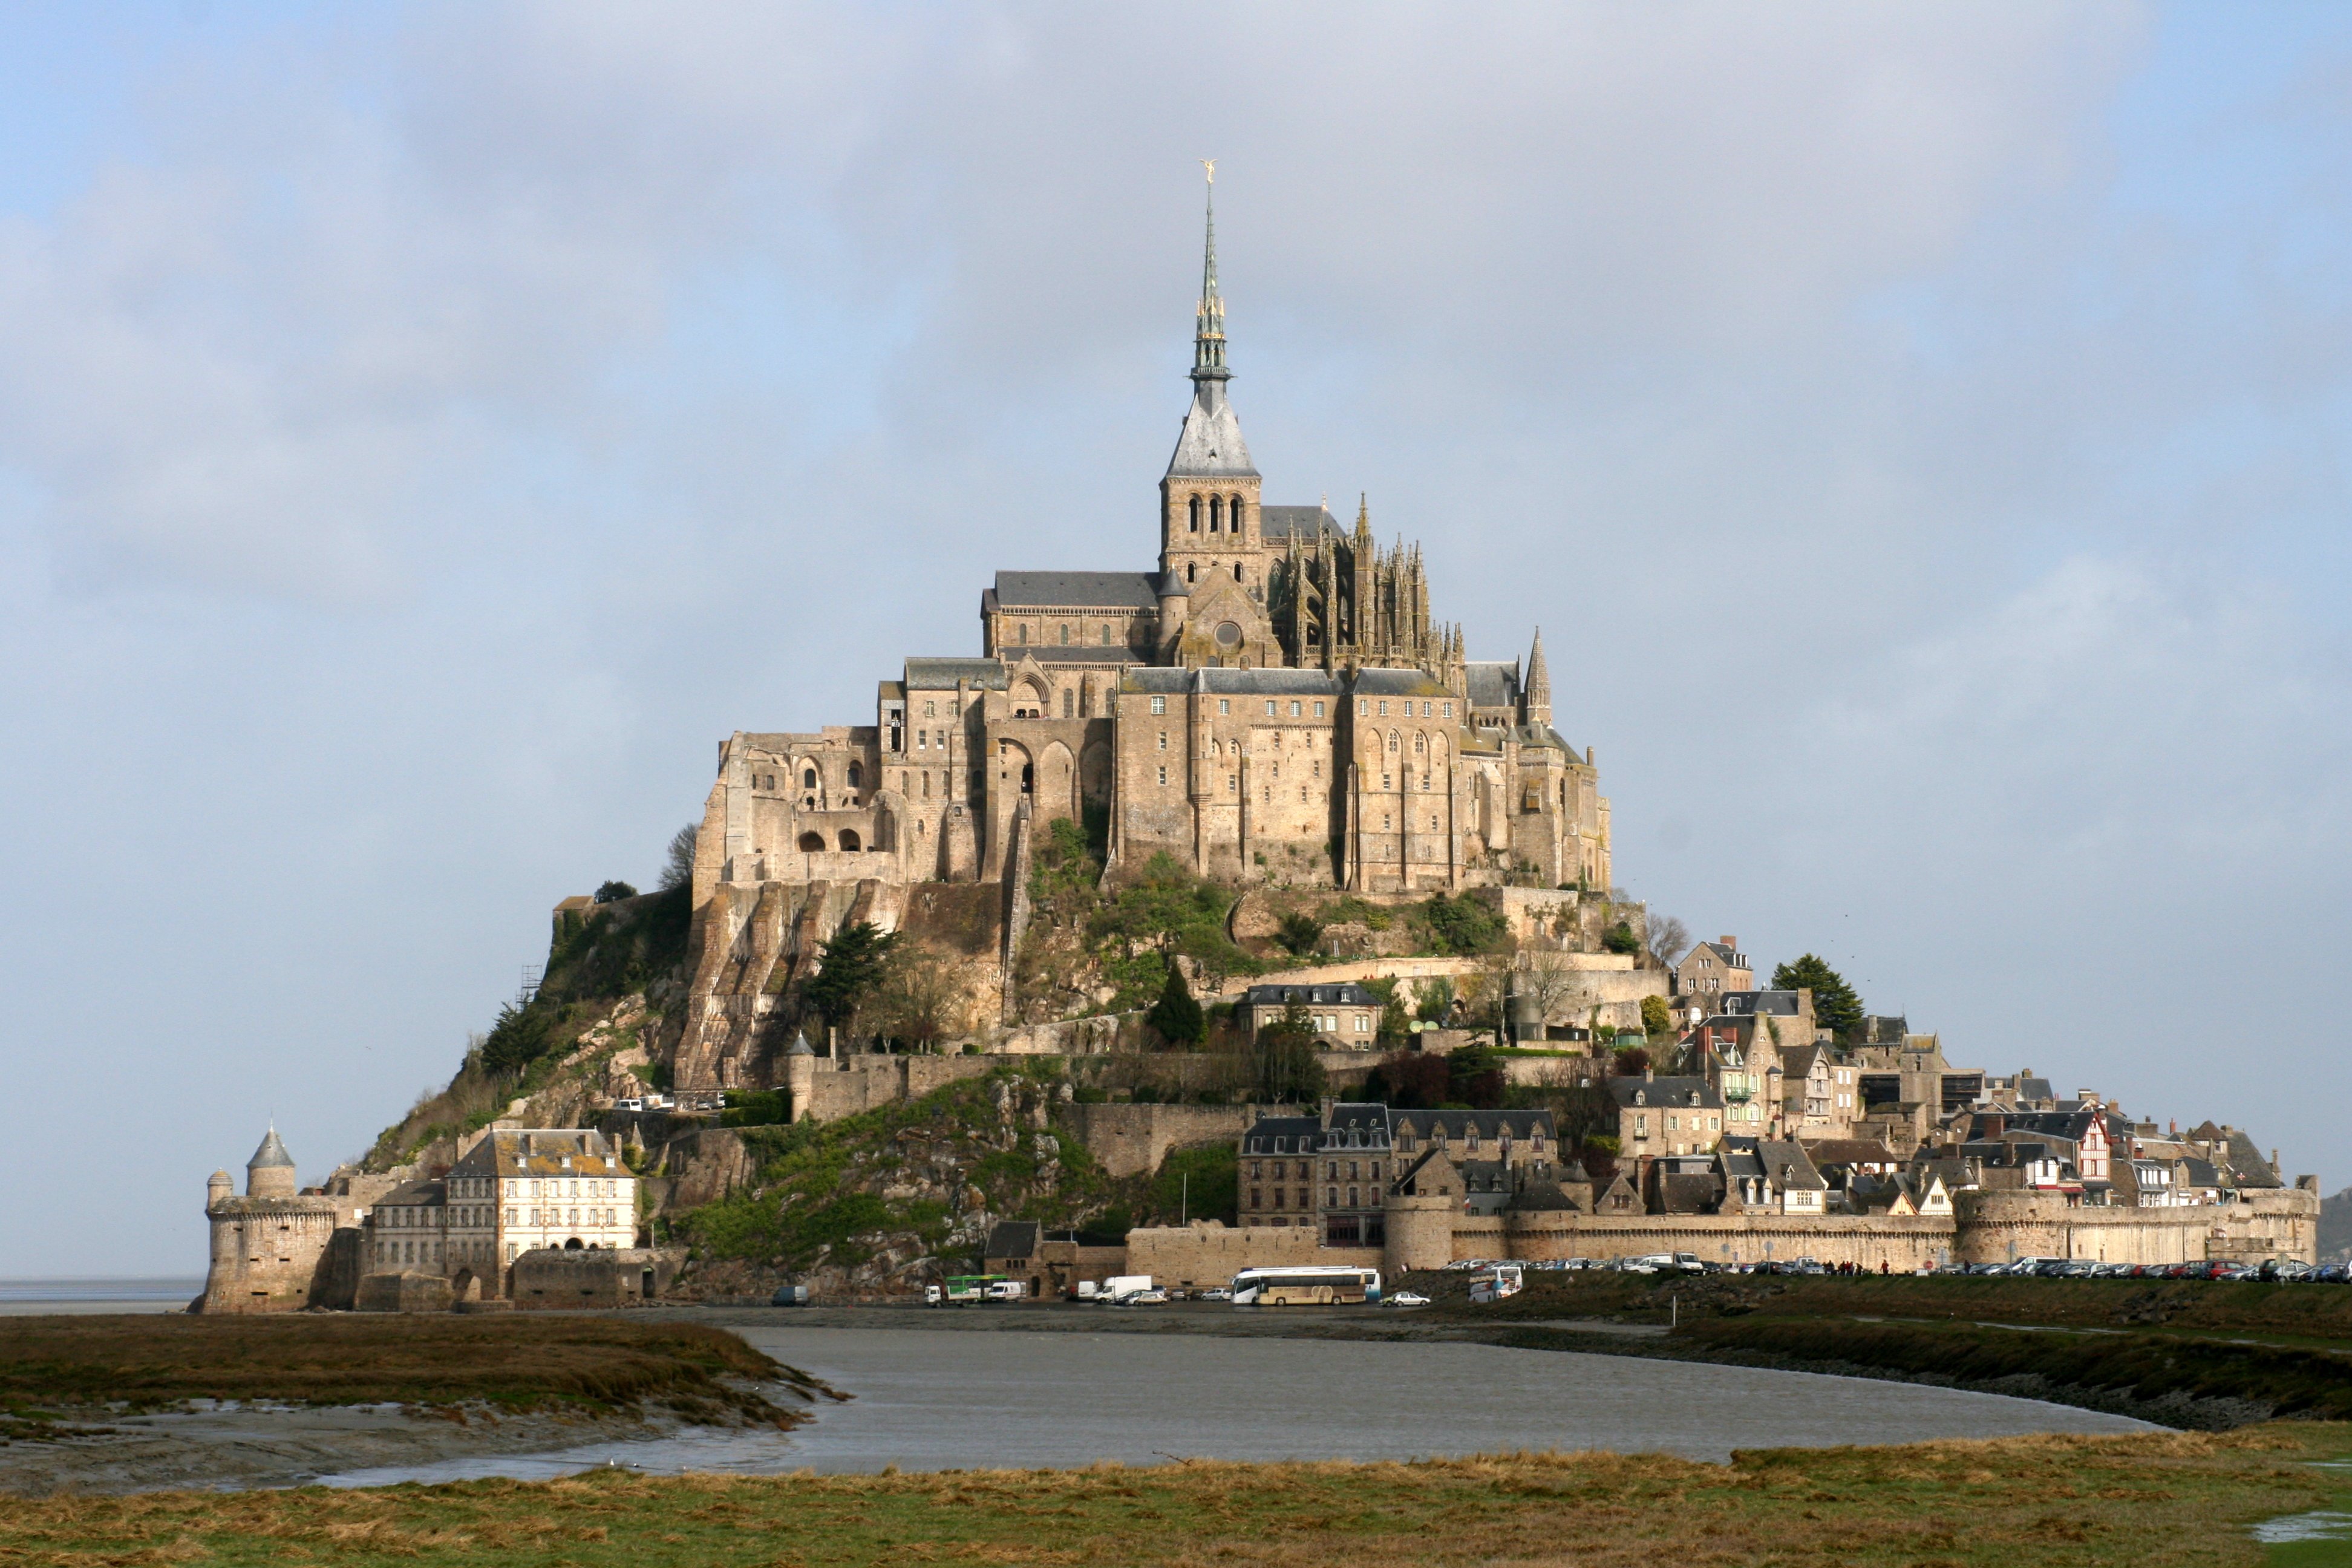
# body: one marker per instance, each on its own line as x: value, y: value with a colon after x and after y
x: 1836, y: 1006
x: 1176, y: 1015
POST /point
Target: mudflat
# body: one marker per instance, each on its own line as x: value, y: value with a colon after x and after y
x: 111, y: 1403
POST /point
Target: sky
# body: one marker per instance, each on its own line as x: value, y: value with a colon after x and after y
x: 426, y: 431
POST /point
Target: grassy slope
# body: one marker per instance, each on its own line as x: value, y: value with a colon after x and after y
x: 517, y: 1361
x: 822, y: 1191
x: 2166, y: 1500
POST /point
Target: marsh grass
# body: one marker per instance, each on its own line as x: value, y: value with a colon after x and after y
x: 150, y: 1362
x: 2155, y: 1501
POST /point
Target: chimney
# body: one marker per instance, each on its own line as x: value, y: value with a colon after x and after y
x: 1731, y: 941
x: 1649, y: 1074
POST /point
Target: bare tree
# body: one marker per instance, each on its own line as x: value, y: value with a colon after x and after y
x: 678, y: 870
x: 1669, y: 940
x: 924, y: 996
x: 1547, y: 981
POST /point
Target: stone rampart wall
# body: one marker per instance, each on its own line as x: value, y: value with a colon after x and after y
x: 856, y: 1083
x: 1996, y: 1227
x: 1132, y: 1139
x: 1198, y: 1255
x: 1865, y: 1240
x: 553, y: 1280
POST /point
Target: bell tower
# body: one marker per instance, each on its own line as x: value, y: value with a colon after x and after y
x: 1209, y: 528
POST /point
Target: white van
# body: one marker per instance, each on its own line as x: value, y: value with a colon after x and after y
x: 1122, y: 1288
x: 1007, y: 1289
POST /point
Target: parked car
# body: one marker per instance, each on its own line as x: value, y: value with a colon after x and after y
x: 1152, y: 1298
x: 1406, y: 1299
x: 1215, y: 1294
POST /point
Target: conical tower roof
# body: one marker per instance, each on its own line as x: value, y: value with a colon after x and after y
x: 271, y: 1154
x: 1211, y: 444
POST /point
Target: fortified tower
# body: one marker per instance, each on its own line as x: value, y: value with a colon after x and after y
x: 269, y: 1247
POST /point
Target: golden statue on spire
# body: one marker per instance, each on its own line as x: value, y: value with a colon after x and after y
x: 1210, y: 164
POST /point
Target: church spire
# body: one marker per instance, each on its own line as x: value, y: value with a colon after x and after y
x: 1209, y: 322
x: 1536, y: 695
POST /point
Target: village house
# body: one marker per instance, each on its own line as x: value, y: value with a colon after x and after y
x: 1344, y: 1015
x: 1712, y: 968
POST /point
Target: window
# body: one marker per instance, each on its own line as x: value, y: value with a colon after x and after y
x: 1449, y: 711
x: 1069, y: 703
x: 1233, y: 784
x: 1269, y: 707
x: 1237, y: 572
x: 1225, y: 705
x: 1363, y: 707
x: 1025, y: 632
x: 930, y: 709
x: 1216, y: 513
x: 1318, y: 710
x: 1163, y: 739
x: 1191, y: 571
x: 1195, y: 510
x: 1384, y: 708
x: 1159, y: 705
x: 1065, y: 633
x: 1294, y: 709
x: 856, y: 775
x: 808, y: 778
x: 1106, y: 634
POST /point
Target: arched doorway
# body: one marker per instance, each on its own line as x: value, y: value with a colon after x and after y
x: 573, y: 1246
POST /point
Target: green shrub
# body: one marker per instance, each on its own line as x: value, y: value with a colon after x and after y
x: 1620, y: 938
x: 756, y: 1107
x: 1463, y: 926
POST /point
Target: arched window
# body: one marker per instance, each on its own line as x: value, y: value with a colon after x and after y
x: 1065, y: 633
x: 808, y: 778
x: 1237, y: 571
x: 1024, y: 634
x: 856, y: 775
x: 1216, y: 513
x: 1028, y: 778
x: 811, y: 843
x: 1196, y: 514
x: 1192, y: 572
x: 1233, y: 511
x: 1106, y: 634
x: 848, y: 838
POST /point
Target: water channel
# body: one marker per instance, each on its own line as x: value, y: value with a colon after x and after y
x: 937, y: 1399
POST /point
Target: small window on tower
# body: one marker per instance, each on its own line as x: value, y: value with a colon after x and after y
x: 1159, y: 705
x: 1196, y: 514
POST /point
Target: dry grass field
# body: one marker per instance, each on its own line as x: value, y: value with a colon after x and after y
x: 2155, y: 1501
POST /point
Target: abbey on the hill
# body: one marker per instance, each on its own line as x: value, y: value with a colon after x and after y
x: 1275, y: 700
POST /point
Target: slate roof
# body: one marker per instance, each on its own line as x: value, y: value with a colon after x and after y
x: 1540, y: 1197
x: 1494, y: 685
x: 1211, y: 445
x: 270, y: 1155
x: 1398, y: 683
x: 541, y: 1151
x: 1687, y: 1195
x: 1232, y: 682
x: 1346, y: 994
x: 1665, y: 1091
x: 1458, y: 1125
x: 1786, y: 1163
x: 1760, y: 1004
x: 1299, y: 1135
x: 421, y: 1194
x: 1367, y: 1118
x: 1012, y: 1238
x: 1090, y: 590
x: 1308, y: 523
x: 942, y: 674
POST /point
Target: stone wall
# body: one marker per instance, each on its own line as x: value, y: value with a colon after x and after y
x: 1132, y: 1139
x: 1205, y: 1253
x: 855, y: 1083
x: 1996, y: 1227
x: 1865, y: 1240
x: 410, y: 1291
x: 269, y: 1255
x: 553, y: 1280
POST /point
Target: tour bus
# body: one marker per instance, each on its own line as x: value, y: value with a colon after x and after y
x: 1316, y: 1285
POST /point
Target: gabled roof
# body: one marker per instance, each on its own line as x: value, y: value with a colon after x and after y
x: 1541, y: 1196
x: 1690, y: 1193
x: 1079, y: 590
x: 1460, y: 1124
x: 1826, y: 1152
x: 1394, y: 682
x: 1761, y: 1004
x: 541, y: 1151
x: 1786, y: 1166
x: 1012, y: 1238
x: 1494, y: 685
x: 942, y: 674
x: 1665, y: 1091
x: 1231, y: 682
x: 1260, y: 1138
x: 1307, y: 524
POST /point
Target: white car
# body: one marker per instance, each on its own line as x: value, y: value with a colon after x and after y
x: 1215, y: 1294
x: 1147, y: 1299
x: 1407, y: 1298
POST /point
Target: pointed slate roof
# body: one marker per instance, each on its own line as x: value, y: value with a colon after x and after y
x: 272, y: 1154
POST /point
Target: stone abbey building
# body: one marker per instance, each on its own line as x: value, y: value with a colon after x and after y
x: 1273, y: 699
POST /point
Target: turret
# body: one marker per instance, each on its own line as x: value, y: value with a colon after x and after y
x: 1535, y: 700
x: 270, y: 1173
x: 218, y: 1190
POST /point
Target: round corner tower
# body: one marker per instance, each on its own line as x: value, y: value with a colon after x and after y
x: 270, y: 1173
x: 1420, y: 1232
